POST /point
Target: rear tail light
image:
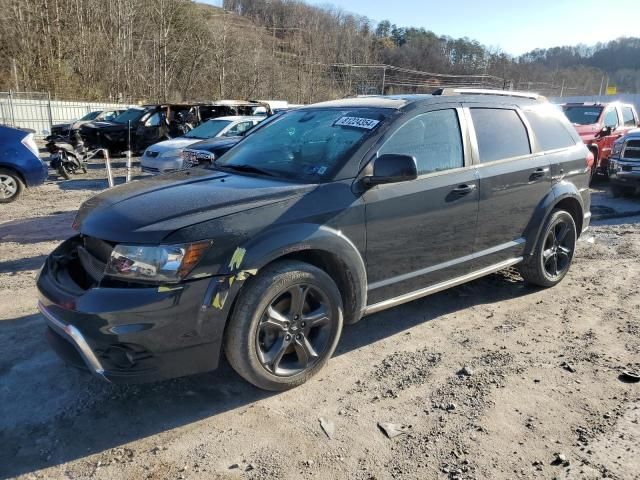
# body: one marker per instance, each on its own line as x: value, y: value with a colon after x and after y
x: 590, y: 159
x: 30, y: 143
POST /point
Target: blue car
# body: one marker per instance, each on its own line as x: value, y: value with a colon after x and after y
x: 20, y: 164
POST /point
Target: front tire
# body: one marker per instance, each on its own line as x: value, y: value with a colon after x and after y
x: 11, y: 186
x: 285, y: 325
x: 552, y: 257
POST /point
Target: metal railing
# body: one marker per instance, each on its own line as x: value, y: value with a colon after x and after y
x: 38, y: 112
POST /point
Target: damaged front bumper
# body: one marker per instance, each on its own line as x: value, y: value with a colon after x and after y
x: 132, y: 333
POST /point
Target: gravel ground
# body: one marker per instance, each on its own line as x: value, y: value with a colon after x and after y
x: 492, y: 379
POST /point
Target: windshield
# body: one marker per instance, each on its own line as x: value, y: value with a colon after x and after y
x: 208, y: 129
x: 90, y: 116
x: 132, y: 115
x: 582, y: 115
x: 308, y: 145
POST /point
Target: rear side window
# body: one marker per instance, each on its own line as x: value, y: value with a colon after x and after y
x: 549, y: 131
x: 627, y: 117
x: 433, y: 138
x: 500, y: 133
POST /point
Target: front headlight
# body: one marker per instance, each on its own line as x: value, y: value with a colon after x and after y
x: 617, y: 148
x: 164, y: 263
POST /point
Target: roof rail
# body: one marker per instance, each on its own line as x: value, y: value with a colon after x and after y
x: 487, y: 91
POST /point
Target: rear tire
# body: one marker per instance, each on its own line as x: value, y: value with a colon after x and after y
x: 11, y: 186
x: 285, y: 325
x: 63, y: 172
x: 552, y: 257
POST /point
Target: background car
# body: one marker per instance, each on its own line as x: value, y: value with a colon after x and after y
x: 64, y: 129
x: 167, y: 156
x: 207, y: 151
x: 20, y: 163
x: 600, y: 125
x: 624, y: 164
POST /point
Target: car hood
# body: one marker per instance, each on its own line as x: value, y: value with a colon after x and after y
x: 173, y: 144
x: 215, y: 143
x: 105, y: 125
x: 146, y: 211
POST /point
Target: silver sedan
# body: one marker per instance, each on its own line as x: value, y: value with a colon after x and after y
x: 166, y: 156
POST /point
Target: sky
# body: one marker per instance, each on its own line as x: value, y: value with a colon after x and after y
x: 514, y: 26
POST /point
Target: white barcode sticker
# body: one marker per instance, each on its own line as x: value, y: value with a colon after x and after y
x: 357, y: 122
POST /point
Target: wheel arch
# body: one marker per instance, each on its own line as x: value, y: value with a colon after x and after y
x: 12, y: 168
x: 319, y: 245
x: 564, y: 195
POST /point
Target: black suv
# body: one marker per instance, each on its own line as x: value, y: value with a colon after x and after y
x: 327, y: 214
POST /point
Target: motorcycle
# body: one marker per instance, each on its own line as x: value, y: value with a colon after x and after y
x: 68, y: 154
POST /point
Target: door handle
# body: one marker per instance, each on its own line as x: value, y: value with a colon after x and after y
x: 464, y: 189
x: 538, y: 173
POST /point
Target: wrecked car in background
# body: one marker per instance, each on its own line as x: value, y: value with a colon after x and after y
x: 65, y: 129
x: 139, y: 127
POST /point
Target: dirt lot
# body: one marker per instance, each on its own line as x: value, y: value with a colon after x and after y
x: 540, y: 396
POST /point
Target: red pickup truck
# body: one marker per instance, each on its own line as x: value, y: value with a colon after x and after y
x: 600, y: 125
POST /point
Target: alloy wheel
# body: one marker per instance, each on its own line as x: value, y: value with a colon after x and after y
x: 558, y: 249
x: 294, y: 331
x: 8, y: 186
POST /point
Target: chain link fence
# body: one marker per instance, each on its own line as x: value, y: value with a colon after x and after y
x: 38, y: 112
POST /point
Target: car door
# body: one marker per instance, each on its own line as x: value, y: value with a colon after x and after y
x: 514, y: 179
x: 151, y: 129
x: 610, y: 119
x: 420, y: 233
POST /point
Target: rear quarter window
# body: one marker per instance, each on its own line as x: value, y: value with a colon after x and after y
x: 500, y: 133
x: 628, y: 118
x: 549, y: 131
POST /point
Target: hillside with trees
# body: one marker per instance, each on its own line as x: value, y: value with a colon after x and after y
x: 155, y: 50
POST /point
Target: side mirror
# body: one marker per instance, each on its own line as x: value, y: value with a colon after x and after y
x: 392, y: 168
x: 606, y: 130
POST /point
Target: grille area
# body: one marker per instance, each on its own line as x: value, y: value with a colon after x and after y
x: 631, y: 153
x: 633, y: 144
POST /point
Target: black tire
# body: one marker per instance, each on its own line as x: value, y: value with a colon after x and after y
x: 63, y: 172
x: 11, y: 186
x: 265, y: 349
x: 555, y: 246
x: 620, y: 190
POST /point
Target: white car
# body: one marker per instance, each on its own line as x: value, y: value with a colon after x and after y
x: 166, y: 156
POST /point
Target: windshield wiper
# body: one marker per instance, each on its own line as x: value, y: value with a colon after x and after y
x: 246, y: 168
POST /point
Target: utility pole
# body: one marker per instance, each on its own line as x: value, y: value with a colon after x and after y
x: 384, y: 77
x: 15, y: 73
x: 601, y: 85
x: 562, y: 88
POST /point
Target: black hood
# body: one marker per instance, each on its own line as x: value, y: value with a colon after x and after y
x: 104, y: 125
x: 146, y: 211
x: 216, y: 144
